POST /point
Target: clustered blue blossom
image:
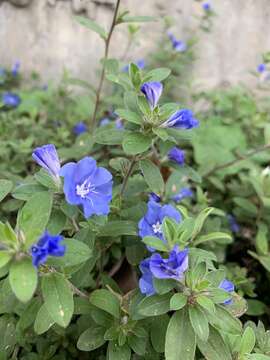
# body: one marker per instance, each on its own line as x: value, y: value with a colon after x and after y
x: 152, y: 91
x: 181, y: 119
x: 87, y: 185
x: 235, y: 227
x: 206, y: 6
x: 11, y: 100
x: 151, y: 223
x: 229, y: 287
x: 46, y: 156
x: 261, y: 68
x: 105, y: 121
x: 183, y: 193
x: 16, y: 68
x: 157, y: 267
x: 47, y: 245
x: 178, y: 45
x: 80, y: 128
x: 177, y: 155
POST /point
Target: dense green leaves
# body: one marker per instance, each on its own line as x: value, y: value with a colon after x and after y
x: 58, y: 298
x: 34, y: 216
x: 214, y: 348
x: 23, y: 279
x: 180, y: 338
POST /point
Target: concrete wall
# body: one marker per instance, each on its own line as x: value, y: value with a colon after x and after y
x: 43, y: 35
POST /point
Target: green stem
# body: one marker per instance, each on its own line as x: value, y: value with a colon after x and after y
x: 102, y: 76
x: 236, y: 161
x: 129, y: 172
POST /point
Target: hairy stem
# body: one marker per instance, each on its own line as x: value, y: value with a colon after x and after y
x: 129, y: 172
x: 237, y: 160
x: 101, y: 80
x: 78, y: 291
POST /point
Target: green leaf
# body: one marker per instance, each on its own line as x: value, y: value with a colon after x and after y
x: 248, y: 341
x: 116, y: 352
x: 92, y: 25
x: 180, y: 338
x: 255, y: 307
x: 152, y: 176
x: 257, y: 357
x: 261, y: 241
x: 155, y: 243
x: 155, y: 305
x: 8, y: 235
x: 223, y: 321
x: 137, y: 344
x: 214, y: 236
x: 43, y: 321
x: 5, y: 188
x: 264, y: 260
x: 157, y: 75
x: 246, y: 205
x: 91, y: 339
x: 26, y: 191
x: 130, y: 116
x: 106, y: 135
x: 215, y: 347
x: 199, y: 322
x: 131, y: 19
x: 199, y: 221
x: 23, y: 279
x: 117, y: 228
x: 136, y: 143
x: 178, y: 301
x: 105, y: 300
x: 5, y: 257
x: 76, y: 253
x: 158, y: 330
x: 206, y: 303
x: 58, y: 298
x: 34, y: 216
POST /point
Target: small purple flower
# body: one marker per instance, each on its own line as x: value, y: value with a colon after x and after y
x: 146, y: 281
x: 15, y: 68
x: 48, y: 245
x: 171, y: 268
x: 80, y: 128
x: 11, y: 100
x: 184, y: 193
x: 181, y: 119
x: 261, y: 68
x: 178, y: 45
x: 151, y: 223
x: 206, y: 6
x: 235, y: 227
x: 104, y: 121
x: 177, y: 155
x: 229, y: 287
x: 154, y: 197
x: 157, y: 267
x: 152, y: 91
x: 88, y: 185
x: 46, y: 156
x: 119, y: 124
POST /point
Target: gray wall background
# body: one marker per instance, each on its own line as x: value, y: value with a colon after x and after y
x: 43, y: 35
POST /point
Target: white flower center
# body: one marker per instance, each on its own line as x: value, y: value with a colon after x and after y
x: 84, y: 189
x: 157, y: 228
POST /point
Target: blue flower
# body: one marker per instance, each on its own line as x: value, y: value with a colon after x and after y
x: 184, y: 193
x: 157, y: 267
x: 151, y: 223
x: 171, y: 268
x: 119, y: 124
x: 177, y: 155
x: 46, y: 156
x: 229, y: 287
x: 10, y: 99
x: 48, y: 245
x: 178, y: 45
x: 181, y: 119
x: 146, y: 281
x: 104, y: 121
x: 88, y: 185
x: 235, y: 227
x: 154, y: 197
x: 261, y: 68
x: 152, y: 91
x: 15, y: 68
x: 206, y: 6
x: 80, y: 128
